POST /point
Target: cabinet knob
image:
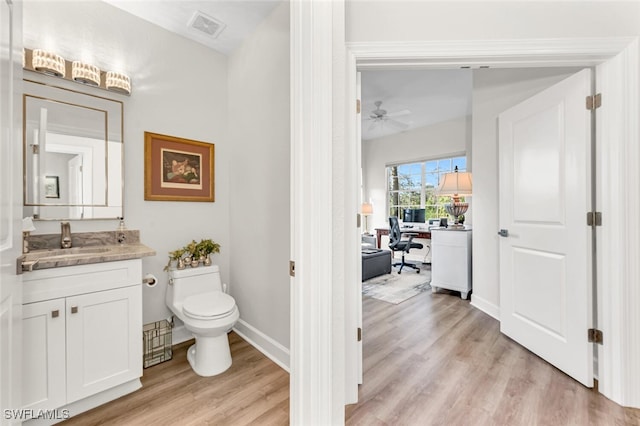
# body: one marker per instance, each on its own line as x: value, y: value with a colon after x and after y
x: 74, y: 309
x: 55, y: 314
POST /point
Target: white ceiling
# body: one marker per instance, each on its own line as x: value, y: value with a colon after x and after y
x: 431, y: 96
x: 241, y: 17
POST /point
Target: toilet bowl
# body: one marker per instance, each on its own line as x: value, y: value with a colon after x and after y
x: 195, y: 296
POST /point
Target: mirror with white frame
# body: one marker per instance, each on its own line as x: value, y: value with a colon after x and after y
x: 73, y: 154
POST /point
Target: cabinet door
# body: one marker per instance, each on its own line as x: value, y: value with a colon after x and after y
x: 43, y: 355
x: 450, y: 265
x: 104, y: 340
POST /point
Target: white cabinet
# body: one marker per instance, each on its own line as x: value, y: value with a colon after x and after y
x: 81, y: 342
x: 451, y: 260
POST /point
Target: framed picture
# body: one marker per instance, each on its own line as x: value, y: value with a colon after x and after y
x: 177, y: 169
x: 51, y: 187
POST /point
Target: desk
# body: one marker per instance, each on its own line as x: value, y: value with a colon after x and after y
x: 421, y: 233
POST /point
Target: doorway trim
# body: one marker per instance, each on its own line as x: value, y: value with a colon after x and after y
x: 619, y: 321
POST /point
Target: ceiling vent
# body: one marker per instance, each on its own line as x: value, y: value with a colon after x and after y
x: 206, y: 24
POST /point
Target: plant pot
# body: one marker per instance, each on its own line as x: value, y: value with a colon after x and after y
x: 207, y: 260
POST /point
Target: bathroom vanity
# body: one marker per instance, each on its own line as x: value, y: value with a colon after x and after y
x: 82, y: 326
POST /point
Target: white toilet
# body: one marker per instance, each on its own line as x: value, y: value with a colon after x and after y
x: 195, y: 296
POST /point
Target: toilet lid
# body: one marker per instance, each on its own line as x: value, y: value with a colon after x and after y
x: 209, y: 305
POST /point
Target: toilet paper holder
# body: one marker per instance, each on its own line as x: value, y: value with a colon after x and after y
x: 150, y: 280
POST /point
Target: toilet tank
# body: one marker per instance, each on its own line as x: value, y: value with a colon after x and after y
x: 187, y: 282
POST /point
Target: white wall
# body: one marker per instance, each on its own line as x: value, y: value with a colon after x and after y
x: 493, y: 92
x: 436, y: 141
x: 179, y: 89
x: 259, y: 179
x: 396, y: 20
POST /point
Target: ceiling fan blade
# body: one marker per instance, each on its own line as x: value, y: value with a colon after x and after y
x: 397, y: 124
x: 399, y: 113
x: 372, y: 126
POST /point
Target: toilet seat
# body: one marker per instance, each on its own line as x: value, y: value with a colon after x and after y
x: 208, y: 306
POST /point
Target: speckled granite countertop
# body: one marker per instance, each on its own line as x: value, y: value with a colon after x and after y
x: 89, y: 247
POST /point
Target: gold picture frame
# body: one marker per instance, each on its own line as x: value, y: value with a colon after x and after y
x: 178, y: 169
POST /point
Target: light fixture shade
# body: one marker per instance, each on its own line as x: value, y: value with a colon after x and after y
x: 27, y: 224
x: 455, y: 183
x: 118, y: 82
x: 85, y: 73
x: 367, y: 209
x: 48, y: 62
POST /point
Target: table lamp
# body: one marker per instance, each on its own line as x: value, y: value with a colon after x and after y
x: 456, y: 184
x: 367, y: 210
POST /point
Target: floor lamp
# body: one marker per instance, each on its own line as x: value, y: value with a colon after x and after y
x: 456, y: 184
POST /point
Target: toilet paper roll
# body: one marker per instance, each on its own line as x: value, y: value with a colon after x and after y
x: 150, y: 280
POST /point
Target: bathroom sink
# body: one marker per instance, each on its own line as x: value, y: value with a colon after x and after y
x: 64, y: 253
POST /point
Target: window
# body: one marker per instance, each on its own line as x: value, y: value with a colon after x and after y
x: 413, y: 185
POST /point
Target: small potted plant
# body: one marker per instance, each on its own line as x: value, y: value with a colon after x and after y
x: 205, y: 248
x: 193, y: 254
x: 176, y: 255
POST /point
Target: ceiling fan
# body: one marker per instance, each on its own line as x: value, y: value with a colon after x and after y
x: 380, y: 117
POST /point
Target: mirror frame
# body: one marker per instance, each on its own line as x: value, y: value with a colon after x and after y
x: 52, y: 89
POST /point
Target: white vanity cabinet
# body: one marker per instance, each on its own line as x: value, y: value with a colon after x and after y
x: 82, y: 335
x: 451, y: 260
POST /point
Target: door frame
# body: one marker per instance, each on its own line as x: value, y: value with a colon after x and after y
x: 617, y: 170
x: 311, y: 401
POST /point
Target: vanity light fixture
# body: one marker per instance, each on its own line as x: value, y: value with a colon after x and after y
x: 48, y: 63
x: 85, y: 73
x: 118, y: 82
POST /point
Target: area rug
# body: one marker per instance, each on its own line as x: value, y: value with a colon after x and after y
x: 396, y: 288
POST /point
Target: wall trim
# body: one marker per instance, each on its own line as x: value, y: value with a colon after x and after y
x: 485, y: 306
x: 317, y: 354
x: 618, y: 160
x: 495, y: 53
x: 180, y: 334
x: 265, y: 344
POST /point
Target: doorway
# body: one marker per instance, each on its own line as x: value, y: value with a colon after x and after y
x: 609, y: 70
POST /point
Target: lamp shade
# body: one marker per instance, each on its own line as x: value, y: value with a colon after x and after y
x: 367, y: 209
x: 455, y: 183
x: 27, y: 224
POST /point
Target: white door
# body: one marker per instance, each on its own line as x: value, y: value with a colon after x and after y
x: 10, y: 205
x: 545, y: 194
x: 76, y: 187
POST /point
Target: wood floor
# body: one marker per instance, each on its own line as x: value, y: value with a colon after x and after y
x: 254, y: 391
x: 432, y: 360
x: 435, y: 360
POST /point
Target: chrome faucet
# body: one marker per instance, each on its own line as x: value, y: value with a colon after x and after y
x: 65, y: 238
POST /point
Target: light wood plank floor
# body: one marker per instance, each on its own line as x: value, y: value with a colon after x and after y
x: 435, y: 360
x: 254, y: 391
x: 432, y: 360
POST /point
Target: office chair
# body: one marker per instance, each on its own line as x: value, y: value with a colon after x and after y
x: 396, y: 243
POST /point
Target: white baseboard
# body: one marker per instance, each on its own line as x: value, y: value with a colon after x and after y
x: 265, y: 344
x: 485, y: 306
x: 180, y: 334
